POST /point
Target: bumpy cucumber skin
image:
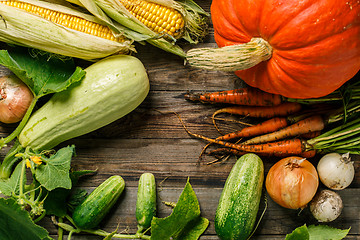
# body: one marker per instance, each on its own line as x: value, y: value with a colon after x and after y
x: 112, y: 88
x: 146, y: 201
x: 239, y: 201
x: 98, y: 203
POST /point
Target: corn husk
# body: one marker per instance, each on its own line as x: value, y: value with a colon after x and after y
x: 25, y: 29
x: 112, y: 11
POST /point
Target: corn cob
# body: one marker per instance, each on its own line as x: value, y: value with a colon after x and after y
x: 69, y: 33
x: 66, y: 20
x: 159, y: 22
x: 160, y: 19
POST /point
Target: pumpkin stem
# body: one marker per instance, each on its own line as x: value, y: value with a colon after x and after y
x: 231, y: 58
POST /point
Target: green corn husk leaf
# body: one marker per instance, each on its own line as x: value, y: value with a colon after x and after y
x: 112, y: 10
x: 25, y: 29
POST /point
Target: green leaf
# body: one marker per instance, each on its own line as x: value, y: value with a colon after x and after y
x: 55, y: 202
x: 44, y: 73
x: 324, y: 232
x: 319, y: 232
x: 16, y: 223
x: 60, y: 200
x: 184, y: 222
x: 54, y: 171
x: 194, y: 229
x: 299, y: 233
x: 11, y: 185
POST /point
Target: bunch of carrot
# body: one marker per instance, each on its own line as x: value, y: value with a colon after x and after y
x: 287, y: 126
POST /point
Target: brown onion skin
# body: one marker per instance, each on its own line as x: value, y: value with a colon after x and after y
x: 15, y: 99
x: 292, y: 182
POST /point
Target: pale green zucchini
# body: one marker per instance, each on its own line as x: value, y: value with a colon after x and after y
x: 239, y: 201
x: 112, y: 88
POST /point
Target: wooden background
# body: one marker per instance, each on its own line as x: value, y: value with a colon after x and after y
x: 151, y: 139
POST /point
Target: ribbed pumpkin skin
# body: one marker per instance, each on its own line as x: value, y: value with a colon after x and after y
x: 316, y: 43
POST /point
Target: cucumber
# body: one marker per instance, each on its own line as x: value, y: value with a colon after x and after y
x: 98, y: 203
x: 239, y: 201
x: 146, y: 201
x: 111, y: 88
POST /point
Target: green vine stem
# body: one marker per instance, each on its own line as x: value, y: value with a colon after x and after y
x: 100, y: 232
x: 103, y: 233
x: 21, y: 186
x: 60, y: 230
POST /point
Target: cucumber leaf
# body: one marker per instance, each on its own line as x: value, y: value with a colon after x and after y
x: 184, y: 222
x: 323, y: 232
x: 54, y: 172
x: 193, y: 229
x: 301, y: 232
x: 60, y: 200
x: 42, y: 72
x: 319, y: 232
x: 16, y: 223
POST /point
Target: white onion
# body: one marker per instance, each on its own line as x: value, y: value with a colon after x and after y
x: 336, y: 171
x: 326, y: 206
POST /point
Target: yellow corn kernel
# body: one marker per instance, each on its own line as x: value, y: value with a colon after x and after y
x: 66, y: 20
x: 160, y: 19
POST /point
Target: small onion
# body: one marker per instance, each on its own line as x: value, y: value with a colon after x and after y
x: 326, y: 206
x: 15, y: 99
x: 336, y: 171
x: 292, y: 182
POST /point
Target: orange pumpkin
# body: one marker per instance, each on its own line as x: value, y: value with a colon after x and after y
x: 314, y: 45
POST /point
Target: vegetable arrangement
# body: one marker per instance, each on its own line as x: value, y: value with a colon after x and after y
x: 160, y: 23
x: 109, y: 28
x: 293, y: 181
x: 118, y: 83
x: 296, y: 49
x: 73, y: 110
x: 60, y: 77
x: 283, y: 126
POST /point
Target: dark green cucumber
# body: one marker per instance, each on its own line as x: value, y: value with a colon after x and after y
x: 146, y: 201
x: 97, y: 204
x: 239, y: 201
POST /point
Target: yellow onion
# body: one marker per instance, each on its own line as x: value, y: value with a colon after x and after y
x: 292, y: 182
x: 15, y: 99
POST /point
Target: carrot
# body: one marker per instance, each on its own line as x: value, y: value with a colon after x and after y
x: 310, y: 124
x: 310, y: 135
x: 243, y: 96
x: 283, y: 109
x: 267, y: 126
x: 306, y: 154
x: 291, y: 146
